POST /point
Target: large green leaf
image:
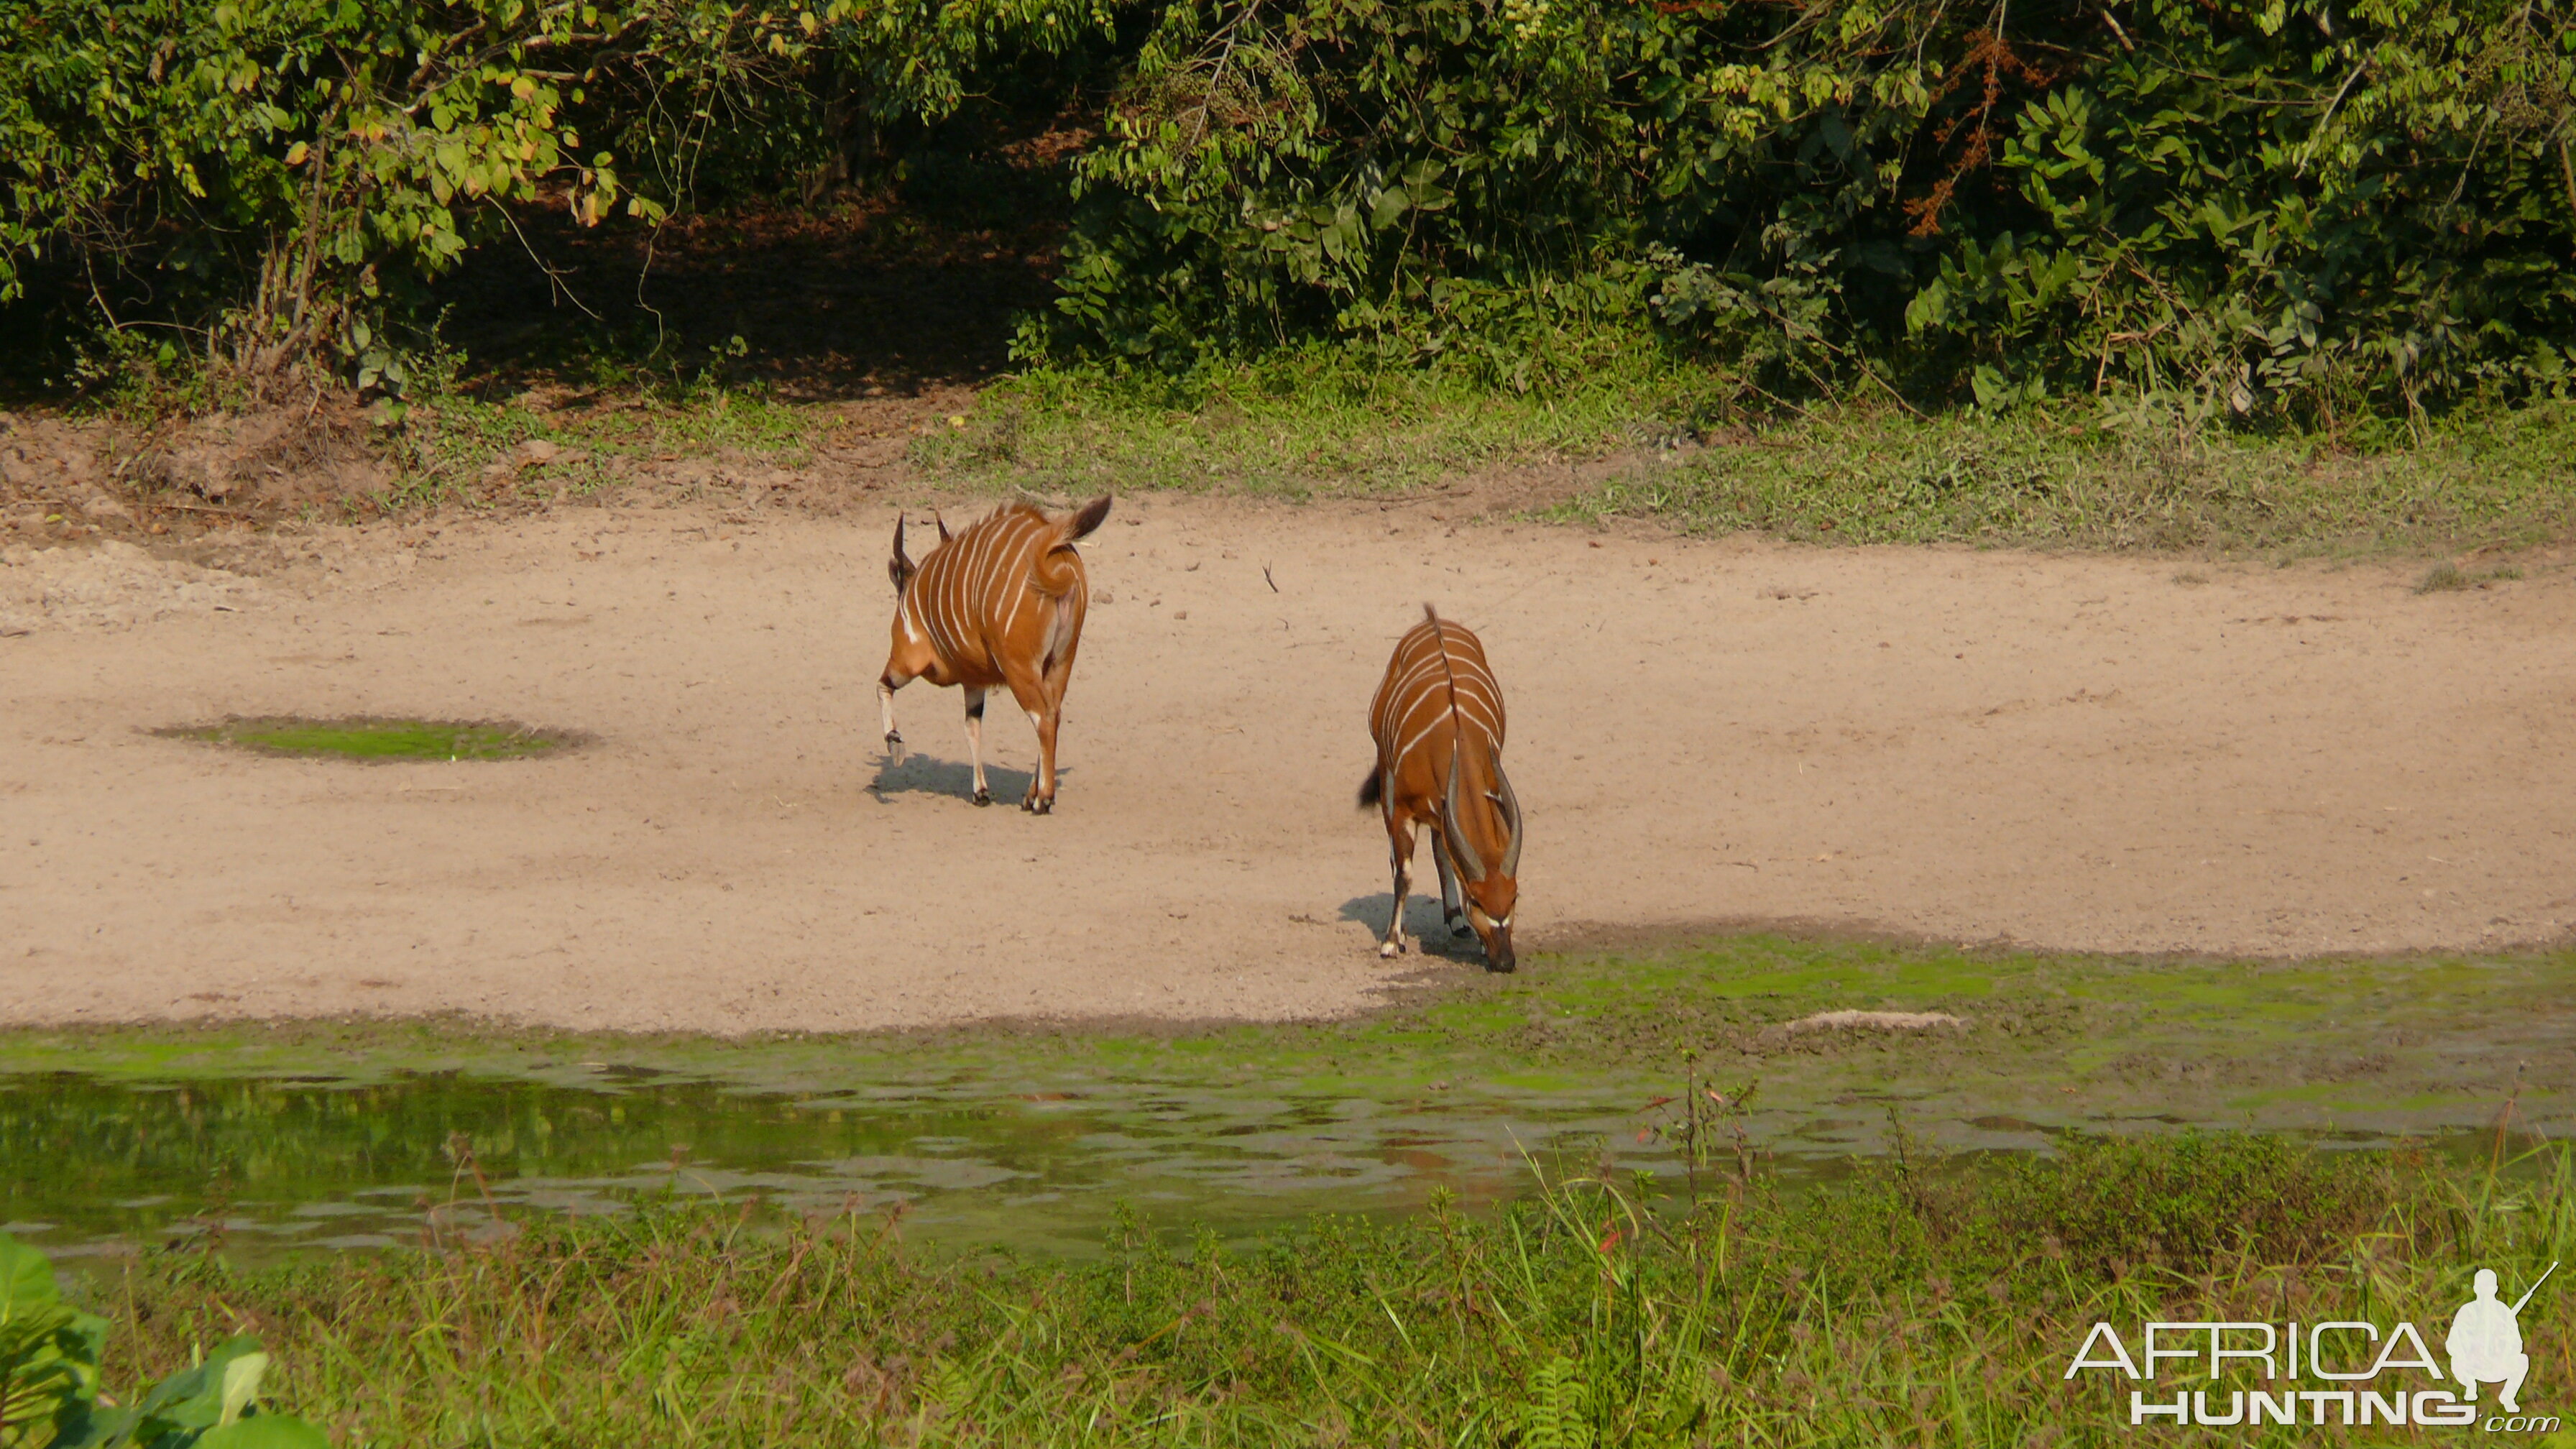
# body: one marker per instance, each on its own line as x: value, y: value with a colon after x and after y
x: 194, y: 1398
x: 26, y: 1280
x: 48, y: 1352
x: 264, y: 1431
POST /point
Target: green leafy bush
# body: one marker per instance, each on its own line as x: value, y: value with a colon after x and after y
x: 2198, y: 211
x: 257, y: 174
x: 2220, y: 211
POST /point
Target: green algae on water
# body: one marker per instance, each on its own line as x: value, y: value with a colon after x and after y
x: 1033, y: 1137
x: 380, y: 739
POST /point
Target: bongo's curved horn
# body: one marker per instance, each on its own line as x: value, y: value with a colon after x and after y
x: 1511, y: 821
x: 1461, y: 854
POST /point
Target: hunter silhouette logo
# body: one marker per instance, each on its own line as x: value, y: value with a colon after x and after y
x: 2362, y: 1373
x: 2485, y: 1342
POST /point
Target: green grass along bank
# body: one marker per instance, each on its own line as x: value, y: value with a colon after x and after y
x: 1912, y: 1304
x: 1633, y: 443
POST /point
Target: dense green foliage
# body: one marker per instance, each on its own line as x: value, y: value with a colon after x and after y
x: 2198, y: 210
x: 256, y: 172
x: 2230, y: 207
x: 50, y: 1381
x: 1913, y: 1304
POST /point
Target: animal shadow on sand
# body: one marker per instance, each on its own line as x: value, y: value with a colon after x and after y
x: 1423, y: 930
x: 921, y: 774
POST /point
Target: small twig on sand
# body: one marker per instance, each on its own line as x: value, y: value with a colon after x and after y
x: 1267, y: 579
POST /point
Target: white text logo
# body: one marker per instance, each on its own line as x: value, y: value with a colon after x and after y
x: 2483, y: 1347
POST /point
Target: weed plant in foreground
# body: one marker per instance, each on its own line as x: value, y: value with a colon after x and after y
x: 1915, y: 1304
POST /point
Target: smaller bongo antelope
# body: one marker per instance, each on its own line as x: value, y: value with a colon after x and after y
x: 999, y: 603
x: 1438, y: 723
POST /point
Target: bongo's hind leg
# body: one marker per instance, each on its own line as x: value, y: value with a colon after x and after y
x: 975, y: 741
x: 1029, y: 689
x: 1042, y: 695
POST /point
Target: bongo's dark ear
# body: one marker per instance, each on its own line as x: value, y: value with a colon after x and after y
x: 1091, y: 516
x: 898, y: 567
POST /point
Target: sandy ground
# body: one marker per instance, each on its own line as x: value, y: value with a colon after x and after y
x: 2068, y: 752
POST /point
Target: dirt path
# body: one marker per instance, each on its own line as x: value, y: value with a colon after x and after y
x: 2072, y: 752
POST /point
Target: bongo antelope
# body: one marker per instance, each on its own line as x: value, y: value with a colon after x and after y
x: 998, y: 603
x: 1438, y: 723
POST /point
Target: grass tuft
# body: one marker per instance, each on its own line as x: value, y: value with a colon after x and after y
x: 2447, y: 577
x: 378, y: 739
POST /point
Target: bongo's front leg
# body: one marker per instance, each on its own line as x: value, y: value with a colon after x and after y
x: 1400, y: 846
x: 887, y: 684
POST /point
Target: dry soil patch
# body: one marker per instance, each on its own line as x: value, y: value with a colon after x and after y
x: 2061, y: 751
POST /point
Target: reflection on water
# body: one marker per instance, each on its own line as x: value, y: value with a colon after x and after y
x: 90, y: 1165
x: 87, y: 1164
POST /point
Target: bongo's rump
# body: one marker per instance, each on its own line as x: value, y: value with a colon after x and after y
x: 1000, y: 603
